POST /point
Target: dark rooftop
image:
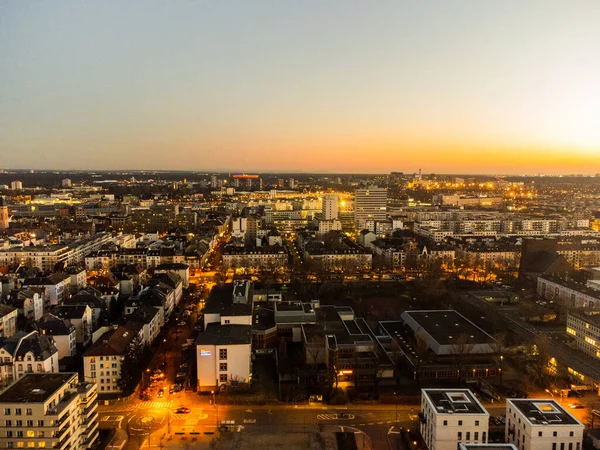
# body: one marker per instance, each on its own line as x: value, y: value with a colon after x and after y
x: 217, y: 334
x: 543, y: 411
x: 220, y: 301
x: 446, y: 325
x: 35, y: 387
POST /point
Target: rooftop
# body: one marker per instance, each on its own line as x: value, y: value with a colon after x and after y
x: 454, y: 401
x: 543, y: 411
x: 217, y: 334
x: 446, y: 325
x: 35, y: 387
x: 487, y: 447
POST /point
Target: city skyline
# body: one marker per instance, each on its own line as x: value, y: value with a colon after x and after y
x: 452, y: 87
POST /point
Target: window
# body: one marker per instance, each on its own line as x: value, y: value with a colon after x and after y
x: 460, y: 435
x: 460, y: 423
x: 476, y: 437
x: 570, y: 446
x: 483, y: 437
x: 468, y: 436
x: 445, y: 422
x: 223, y: 378
x: 28, y: 411
x: 30, y: 423
x: 9, y: 434
x: 571, y: 433
x: 554, y: 446
x: 223, y: 353
x: 227, y: 321
x: 223, y: 367
x: 40, y: 423
x: 554, y: 433
x: 7, y: 411
x: 539, y: 433
x: 19, y: 423
x: 8, y: 423
x: 19, y: 434
x: 477, y: 423
x: 562, y: 446
x: 30, y: 433
x: 18, y: 411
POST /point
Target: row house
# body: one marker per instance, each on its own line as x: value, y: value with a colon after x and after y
x: 25, y: 353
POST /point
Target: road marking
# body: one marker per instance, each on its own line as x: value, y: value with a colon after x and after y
x: 371, y: 423
x: 335, y: 417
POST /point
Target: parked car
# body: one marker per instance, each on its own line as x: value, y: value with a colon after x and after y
x: 182, y: 410
x: 160, y: 393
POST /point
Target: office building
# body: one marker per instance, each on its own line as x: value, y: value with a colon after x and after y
x: 541, y: 424
x: 369, y: 204
x: 330, y: 207
x: 16, y: 185
x: 450, y: 417
x: 50, y: 410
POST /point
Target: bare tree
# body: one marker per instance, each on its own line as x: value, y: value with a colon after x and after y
x: 461, y: 350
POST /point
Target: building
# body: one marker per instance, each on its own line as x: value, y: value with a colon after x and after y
x: 452, y: 417
x: 567, y: 292
x: 16, y: 185
x: 51, y: 410
x: 330, y: 207
x: 8, y: 320
x: 541, y: 424
x: 3, y: 214
x: 266, y: 257
x: 66, y: 183
x: 102, y: 361
x: 57, y: 286
x: 223, y: 355
x: 62, y: 334
x: 584, y: 326
x: 26, y: 353
x: 369, y: 204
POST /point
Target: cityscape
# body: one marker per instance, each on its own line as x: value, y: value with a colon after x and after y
x: 291, y: 225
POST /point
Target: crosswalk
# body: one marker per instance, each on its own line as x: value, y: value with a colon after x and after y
x: 135, y: 407
x: 334, y: 417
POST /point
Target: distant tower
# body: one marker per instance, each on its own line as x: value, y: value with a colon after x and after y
x: 330, y: 207
x: 3, y: 214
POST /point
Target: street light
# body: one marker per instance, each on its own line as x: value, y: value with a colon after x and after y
x: 165, y: 353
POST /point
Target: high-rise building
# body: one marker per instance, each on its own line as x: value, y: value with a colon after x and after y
x: 330, y: 207
x: 49, y: 410
x: 3, y: 214
x: 213, y: 181
x: 66, y: 183
x: 16, y: 185
x: 369, y: 204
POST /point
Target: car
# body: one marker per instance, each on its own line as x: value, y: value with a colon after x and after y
x: 160, y: 393
x: 182, y: 410
x: 171, y: 390
x: 177, y: 388
x: 183, y: 365
x: 576, y: 406
x: 146, y: 397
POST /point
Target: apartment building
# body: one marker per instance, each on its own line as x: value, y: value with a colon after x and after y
x: 266, y: 257
x: 450, y: 417
x: 584, y: 326
x: 567, y: 292
x: 369, y: 204
x: 25, y: 353
x: 102, y: 361
x: 487, y: 447
x: 45, y: 257
x: 51, y: 410
x: 8, y: 320
x: 541, y: 424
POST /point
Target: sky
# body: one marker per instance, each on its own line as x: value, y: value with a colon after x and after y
x: 448, y: 86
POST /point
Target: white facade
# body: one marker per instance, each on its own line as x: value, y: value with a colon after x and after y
x: 369, y: 204
x: 103, y: 370
x: 450, y: 417
x: 330, y: 207
x: 541, y: 424
x: 222, y: 364
x: 49, y: 411
x: 568, y: 293
x: 18, y: 363
x: 8, y: 323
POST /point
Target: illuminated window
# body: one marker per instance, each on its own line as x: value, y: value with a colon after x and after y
x: 590, y: 341
x: 587, y: 325
x: 571, y: 331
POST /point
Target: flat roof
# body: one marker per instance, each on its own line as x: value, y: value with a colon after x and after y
x: 543, y: 411
x: 487, y: 447
x: 217, y: 334
x: 35, y: 387
x: 446, y: 325
x: 454, y: 401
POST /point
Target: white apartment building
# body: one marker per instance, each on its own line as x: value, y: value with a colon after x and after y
x: 451, y: 417
x: 51, y: 410
x: 369, y: 204
x: 584, y: 326
x: 45, y: 257
x: 223, y: 355
x: 330, y: 207
x: 8, y: 320
x: 567, y: 292
x: 102, y: 361
x: 541, y: 424
x: 16, y: 185
x: 26, y: 353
